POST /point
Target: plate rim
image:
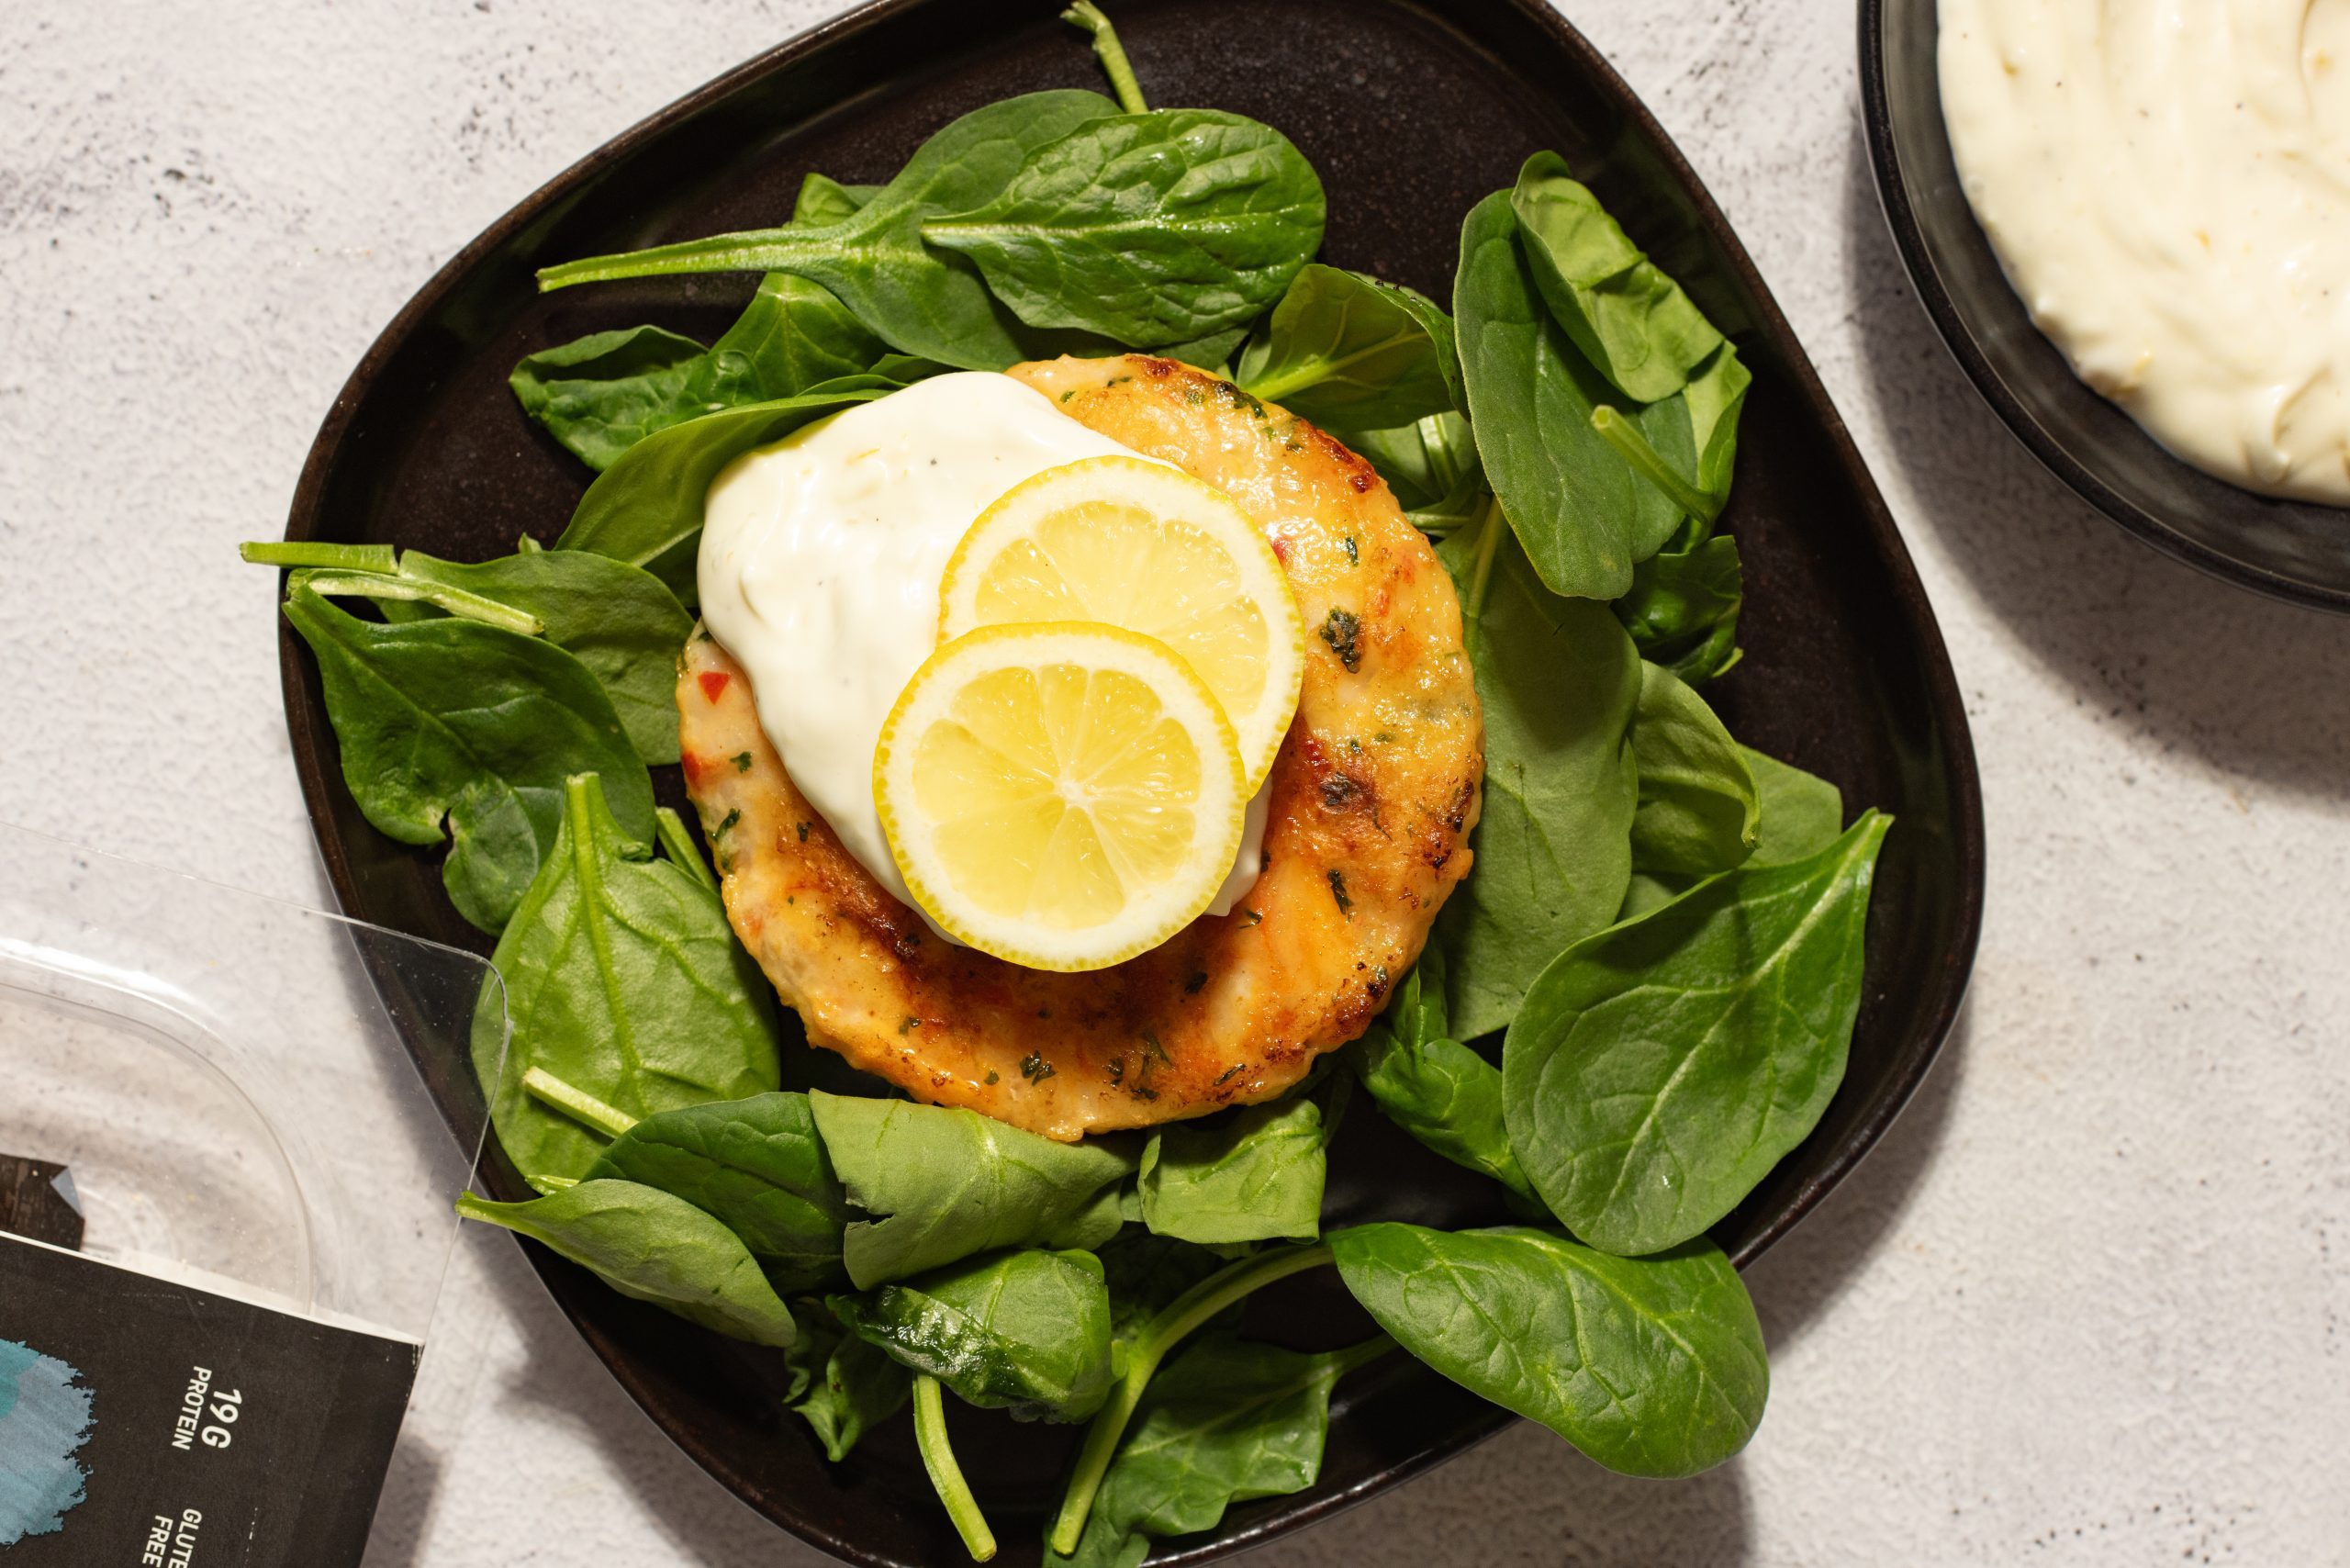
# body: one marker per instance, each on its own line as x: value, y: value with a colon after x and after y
x: 1952, y: 968
x: 1891, y: 178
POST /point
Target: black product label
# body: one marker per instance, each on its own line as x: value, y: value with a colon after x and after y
x: 147, y: 1424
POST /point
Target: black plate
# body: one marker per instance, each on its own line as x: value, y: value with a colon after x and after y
x: 1411, y: 113
x: 2288, y: 549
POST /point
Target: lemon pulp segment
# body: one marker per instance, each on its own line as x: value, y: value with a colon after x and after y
x: 1123, y: 542
x: 1061, y: 795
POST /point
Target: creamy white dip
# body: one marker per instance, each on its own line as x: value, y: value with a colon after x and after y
x: 2167, y: 184
x: 820, y: 568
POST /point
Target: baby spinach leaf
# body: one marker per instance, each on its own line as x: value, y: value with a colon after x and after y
x: 1435, y: 1088
x: 1256, y: 1177
x: 1559, y: 681
x: 1346, y: 349
x: 618, y: 622
x: 954, y: 1182
x: 1147, y: 229
x: 840, y: 1385
x: 1196, y: 1307
x: 1682, y: 608
x: 756, y: 1166
x: 922, y: 300
x: 1583, y: 514
x: 622, y: 978
x: 1660, y: 1069
x: 601, y: 394
x: 453, y: 719
x: 1698, y: 811
x: 605, y: 392
x: 1802, y: 812
x: 1651, y: 1366
x: 646, y: 1244
x: 1228, y: 1421
x: 1627, y: 317
x: 1027, y: 1332
x: 646, y: 508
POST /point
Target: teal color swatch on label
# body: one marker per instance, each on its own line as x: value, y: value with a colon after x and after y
x: 44, y: 1420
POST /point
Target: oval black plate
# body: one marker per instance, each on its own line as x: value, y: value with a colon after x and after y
x: 1410, y: 113
x: 2286, y: 549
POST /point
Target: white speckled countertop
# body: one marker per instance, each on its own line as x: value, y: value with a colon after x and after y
x: 2088, y: 1303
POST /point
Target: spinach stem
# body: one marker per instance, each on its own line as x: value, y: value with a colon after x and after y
x: 576, y: 1104
x: 1111, y: 53
x: 1162, y: 1334
x: 310, y: 553
x: 1481, y: 571
x: 671, y: 830
x: 1633, y: 448
x: 548, y: 1186
x: 752, y: 251
x: 945, y: 1476
x: 455, y: 601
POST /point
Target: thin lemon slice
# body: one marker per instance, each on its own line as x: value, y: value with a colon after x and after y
x: 1061, y: 795
x: 1127, y: 543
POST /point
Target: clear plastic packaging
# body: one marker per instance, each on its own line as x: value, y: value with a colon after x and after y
x: 231, y: 1083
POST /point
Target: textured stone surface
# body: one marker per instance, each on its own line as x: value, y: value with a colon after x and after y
x: 2088, y: 1303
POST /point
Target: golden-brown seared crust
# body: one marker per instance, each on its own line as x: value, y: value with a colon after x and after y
x: 1374, y: 795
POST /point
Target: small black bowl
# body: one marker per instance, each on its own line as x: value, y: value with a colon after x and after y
x: 2291, y: 550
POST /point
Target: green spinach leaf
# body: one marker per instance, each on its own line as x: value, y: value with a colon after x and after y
x: 1147, y: 229
x: 1256, y: 1177
x: 646, y: 508
x: 646, y: 1244
x: 1559, y: 681
x: 1698, y: 812
x: 1027, y: 1332
x: 623, y: 623
x: 622, y: 978
x: 601, y: 394
x: 1682, y: 608
x: 1627, y: 317
x: 1651, y: 1366
x: 1228, y: 1421
x: 953, y: 1182
x: 918, y: 298
x: 1583, y: 515
x: 1660, y: 1069
x: 840, y: 1385
x: 755, y: 1165
x: 1432, y: 1086
x: 1347, y: 351
x: 1802, y: 812
x: 454, y: 719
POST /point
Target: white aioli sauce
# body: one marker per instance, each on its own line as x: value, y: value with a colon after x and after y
x: 2167, y: 183
x: 820, y: 568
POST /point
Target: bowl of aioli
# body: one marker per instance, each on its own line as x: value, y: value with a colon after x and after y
x: 2223, y: 373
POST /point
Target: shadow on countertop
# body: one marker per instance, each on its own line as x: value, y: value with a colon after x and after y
x: 2248, y: 686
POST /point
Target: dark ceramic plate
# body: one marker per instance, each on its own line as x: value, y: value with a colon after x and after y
x: 1411, y: 113
x: 2288, y: 549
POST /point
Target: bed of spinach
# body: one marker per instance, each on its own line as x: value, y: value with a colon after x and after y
x: 1640, y: 1000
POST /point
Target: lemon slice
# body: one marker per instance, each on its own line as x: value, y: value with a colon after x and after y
x: 1127, y: 543
x: 1061, y: 795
